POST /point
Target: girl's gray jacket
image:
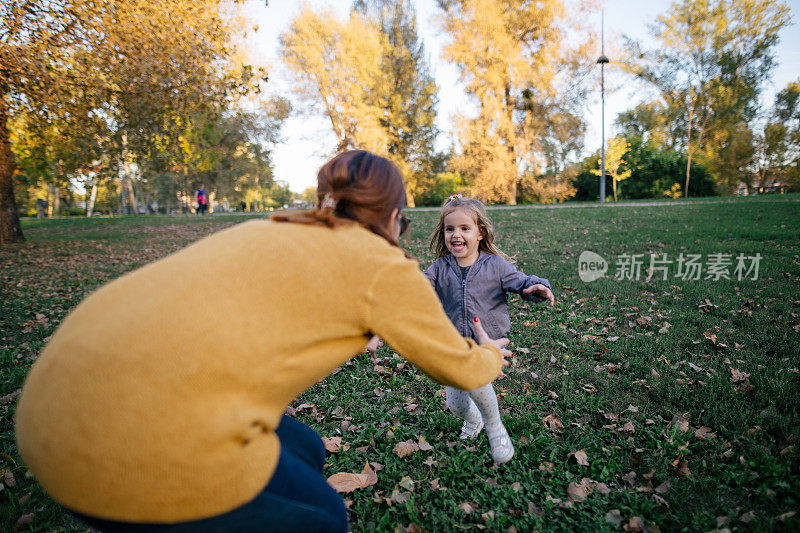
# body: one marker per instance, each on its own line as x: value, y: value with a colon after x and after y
x: 483, y: 293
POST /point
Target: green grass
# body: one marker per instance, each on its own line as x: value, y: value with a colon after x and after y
x: 594, y: 385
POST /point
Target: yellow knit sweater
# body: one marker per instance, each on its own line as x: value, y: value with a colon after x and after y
x: 157, y: 398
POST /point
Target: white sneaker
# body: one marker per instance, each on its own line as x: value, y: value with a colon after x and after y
x: 470, y: 430
x: 502, y: 449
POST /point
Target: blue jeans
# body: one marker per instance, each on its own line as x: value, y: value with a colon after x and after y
x: 296, y: 499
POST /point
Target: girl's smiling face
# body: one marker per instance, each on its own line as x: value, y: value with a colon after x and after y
x: 462, y: 236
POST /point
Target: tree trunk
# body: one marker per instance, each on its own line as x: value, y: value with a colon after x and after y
x: 409, y: 197
x: 614, y: 185
x: 92, y: 198
x: 688, y: 152
x: 10, y: 229
x: 127, y: 184
x: 57, y: 202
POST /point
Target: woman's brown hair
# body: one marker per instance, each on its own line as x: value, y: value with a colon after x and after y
x: 355, y: 186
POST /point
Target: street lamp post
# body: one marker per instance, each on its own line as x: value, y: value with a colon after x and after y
x: 602, y: 60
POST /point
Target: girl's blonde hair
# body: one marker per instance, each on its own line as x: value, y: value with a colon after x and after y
x: 478, y: 212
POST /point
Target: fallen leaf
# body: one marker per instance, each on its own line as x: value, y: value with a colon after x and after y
x: 516, y: 487
x: 580, y: 457
x: 332, y: 444
x: 661, y: 502
x: 467, y: 507
x: 602, y: 488
x: 681, y: 468
x: 578, y: 492
x: 661, y: 489
x: 8, y: 478
x: 553, y: 423
x: 423, y: 444
x: 681, y: 421
x: 629, y: 478
x: 488, y: 516
x: 407, y: 483
x: 614, y: 517
x: 23, y: 521
x: 738, y: 376
x: 533, y: 510
x: 628, y: 427
x: 434, y: 483
x: 405, y: 448
x: 704, y: 432
x: 784, y: 516
x: 635, y: 524
x: 747, y: 517
x: 398, y: 497
x: 348, y: 482
x: 547, y: 466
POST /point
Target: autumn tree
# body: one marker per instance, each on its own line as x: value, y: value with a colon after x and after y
x: 710, y: 61
x: 130, y: 62
x: 409, y: 97
x: 337, y: 64
x: 618, y: 147
x: 515, y: 59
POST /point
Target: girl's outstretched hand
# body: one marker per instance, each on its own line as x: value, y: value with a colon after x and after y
x: 542, y: 292
x: 483, y: 338
x: 374, y: 343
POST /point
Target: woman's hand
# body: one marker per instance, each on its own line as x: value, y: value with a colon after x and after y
x: 542, y: 292
x: 483, y: 338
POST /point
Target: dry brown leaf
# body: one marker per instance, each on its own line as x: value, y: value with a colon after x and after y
x: 580, y: 457
x: 23, y: 521
x: 488, y: 516
x: 578, y: 492
x: 423, y: 444
x: 680, y: 421
x: 467, y: 507
x: 434, y: 483
x: 661, y: 502
x: 681, y: 468
x: 704, y: 432
x: 635, y: 524
x: 407, y: 483
x: 516, y: 487
x: 547, y: 466
x: 661, y: 489
x: 398, y: 497
x: 602, y: 488
x: 553, y: 423
x: 332, y: 444
x: 628, y: 427
x: 348, y: 482
x: 738, y: 376
x: 405, y: 448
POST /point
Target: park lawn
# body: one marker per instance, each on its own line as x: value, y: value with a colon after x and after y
x: 662, y: 404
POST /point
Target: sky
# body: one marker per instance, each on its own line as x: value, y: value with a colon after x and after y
x: 308, y: 141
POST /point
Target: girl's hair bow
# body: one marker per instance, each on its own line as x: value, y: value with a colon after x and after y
x: 453, y: 197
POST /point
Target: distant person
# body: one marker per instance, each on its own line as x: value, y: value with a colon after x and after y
x: 147, y: 408
x: 473, y: 278
x: 201, y: 199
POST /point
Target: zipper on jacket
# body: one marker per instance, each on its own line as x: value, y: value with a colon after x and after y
x: 464, y: 302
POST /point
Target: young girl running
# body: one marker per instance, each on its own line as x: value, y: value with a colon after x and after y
x: 473, y: 278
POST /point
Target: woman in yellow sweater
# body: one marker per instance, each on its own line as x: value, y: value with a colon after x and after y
x: 150, y: 410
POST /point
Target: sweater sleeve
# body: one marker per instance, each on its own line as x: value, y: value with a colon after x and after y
x: 405, y: 311
x: 513, y: 280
